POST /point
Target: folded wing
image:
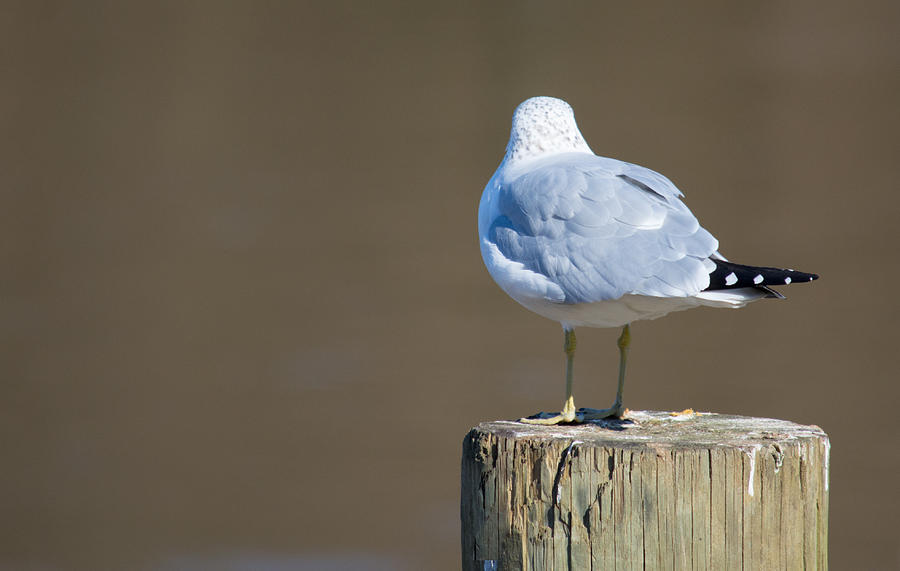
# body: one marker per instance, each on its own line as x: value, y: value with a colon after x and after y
x: 601, y: 228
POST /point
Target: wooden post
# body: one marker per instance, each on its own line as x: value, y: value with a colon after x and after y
x: 655, y: 491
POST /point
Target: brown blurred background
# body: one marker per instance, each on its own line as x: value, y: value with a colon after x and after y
x: 244, y: 318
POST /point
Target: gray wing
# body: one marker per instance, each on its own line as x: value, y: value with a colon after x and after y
x: 601, y: 228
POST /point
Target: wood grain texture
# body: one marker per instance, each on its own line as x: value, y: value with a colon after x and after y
x: 655, y: 491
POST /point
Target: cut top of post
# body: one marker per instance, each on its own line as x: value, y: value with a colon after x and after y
x: 701, y: 429
x: 661, y: 430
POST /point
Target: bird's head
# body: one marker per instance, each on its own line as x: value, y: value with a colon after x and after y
x: 543, y: 126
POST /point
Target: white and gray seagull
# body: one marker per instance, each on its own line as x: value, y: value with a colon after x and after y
x: 592, y: 241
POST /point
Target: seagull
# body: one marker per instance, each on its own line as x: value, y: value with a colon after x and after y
x: 591, y: 241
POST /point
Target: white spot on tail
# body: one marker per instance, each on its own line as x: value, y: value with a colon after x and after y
x: 787, y: 280
x: 758, y: 279
x: 730, y: 279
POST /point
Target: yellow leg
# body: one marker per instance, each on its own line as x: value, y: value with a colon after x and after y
x: 616, y: 410
x: 568, y: 414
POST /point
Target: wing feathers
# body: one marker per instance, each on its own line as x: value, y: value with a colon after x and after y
x: 600, y: 228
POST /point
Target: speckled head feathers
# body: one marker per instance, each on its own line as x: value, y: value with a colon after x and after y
x: 543, y: 126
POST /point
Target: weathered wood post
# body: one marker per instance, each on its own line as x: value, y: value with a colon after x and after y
x: 656, y: 491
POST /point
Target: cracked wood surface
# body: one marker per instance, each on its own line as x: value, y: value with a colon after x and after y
x: 654, y: 491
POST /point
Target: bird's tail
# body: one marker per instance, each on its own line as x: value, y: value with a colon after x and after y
x: 728, y: 275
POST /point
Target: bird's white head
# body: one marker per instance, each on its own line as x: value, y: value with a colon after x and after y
x: 543, y: 126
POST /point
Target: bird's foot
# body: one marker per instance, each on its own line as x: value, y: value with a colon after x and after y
x: 615, y: 411
x: 549, y: 418
x: 568, y: 415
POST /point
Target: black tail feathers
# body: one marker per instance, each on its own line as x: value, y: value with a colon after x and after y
x: 731, y: 276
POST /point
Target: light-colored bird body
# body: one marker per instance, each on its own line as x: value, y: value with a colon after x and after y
x: 588, y: 240
x: 593, y: 241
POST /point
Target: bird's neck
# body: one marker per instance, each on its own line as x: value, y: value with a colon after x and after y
x: 534, y: 142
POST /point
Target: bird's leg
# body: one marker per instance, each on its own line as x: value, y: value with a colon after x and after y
x: 616, y: 410
x: 623, y: 343
x: 568, y: 414
x: 569, y: 344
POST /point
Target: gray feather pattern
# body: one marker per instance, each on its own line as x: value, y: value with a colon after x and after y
x: 600, y: 236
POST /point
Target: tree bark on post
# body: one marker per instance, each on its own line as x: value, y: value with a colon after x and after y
x: 655, y: 491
